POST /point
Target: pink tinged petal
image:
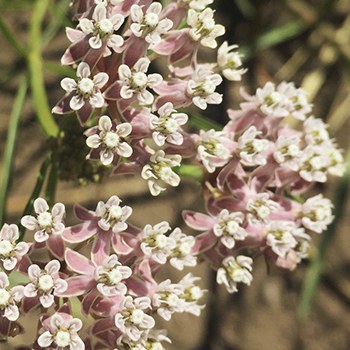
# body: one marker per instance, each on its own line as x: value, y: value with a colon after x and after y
x: 9, y: 263
x: 95, y: 42
x: 58, y: 211
x: 11, y: 312
x: 124, y: 150
x: 55, y: 245
x: 126, y: 92
x: 136, y: 13
x: 46, y: 300
x: 40, y: 205
x: 45, y: 340
x: 41, y: 236
x: 142, y: 65
x: 124, y: 72
x: 106, y: 157
x: 74, y: 34
x: 22, y: 248
x: 79, y: 263
x: 97, y: 100
x: 88, y: 301
x: 52, y: 267
x: 17, y: 293
x: 120, y: 246
x: 124, y: 129
x: 29, y: 222
x: 198, y: 221
x: 101, y: 248
x: 86, y: 25
x: 68, y: 84
x: 115, y: 42
x: 100, y: 79
x: 75, y: 325
x: 154, y: 80
x: 105, y: 123
x: 34, y: 272
x: 100, y: 13
x: 30, y: 290
x: 76, y: 102
x: 60, y: 286
x: 29, y: 303
x: 145, y: 97
x: 83, y: 70
x: 82, y: 213
x: 93, y: 141
x: 79, y: 233
x: 78, y: 285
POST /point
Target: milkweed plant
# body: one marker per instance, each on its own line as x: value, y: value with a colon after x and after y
x: 255, y: 174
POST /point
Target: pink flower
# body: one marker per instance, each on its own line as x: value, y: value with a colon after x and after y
x: 110, y: 140
x: 48, y: 226
x: 45, y: 283
x: 9, y: 298
x: 10, y: 251
x: 61, y: 331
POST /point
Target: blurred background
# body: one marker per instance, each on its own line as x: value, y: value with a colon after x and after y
x: 307, y: 42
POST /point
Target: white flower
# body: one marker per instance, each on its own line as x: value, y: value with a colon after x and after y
x: 132, y: 319
x: 45, y: 283
x: 230, y: 63
x: 317, y: 213
x: 111, y: 140
x: 167, y: 126
x: 45, y: 223
x: 158, y: 171
x: 149, y: 25
x: 198, y: 5
x: 102, y: 29
x: 201, y: 88
x: 288, y: 151
x: 260, y: 208
x: 214, y: 149
x: 335, y: 157
x: 135, y: 81
x: 155, y: 244
x: 86, y: 88
x: 234, y: 271
x: 228, y: 228
x: 181, y: 255
x: 110, y: 277
x: 62, y: 330
x: 315, y: 130
x: 204, y: 28
x: 281, y: 236
x: 11, y: 252
x: 251, y: 149
x: 9, y: 298
x: 112, y: 215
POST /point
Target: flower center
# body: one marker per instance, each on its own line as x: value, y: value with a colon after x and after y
x: 62, y: 338
x: 208, y: 24
x: 161, y: 241
x: 293, y: 150
x: 316, y: 163
x: 137, y: 316
x: 165, y: 173
x: 4, y: 297
x: 171, y: 125
x: 208, y: 87
x: 139, y: 80
x: 151, y: 19
x: 6, y: 248
x: 86, y: 86
x: 185, y: 249
x: 46, y: 283
x: 115, y: 212
x: 195, y: 293
x: 172, y: 299
x: 106, y: 26
x: 111, y: 139
x: 232, y: 227
x: 114, y: 276
x: 45, y: 219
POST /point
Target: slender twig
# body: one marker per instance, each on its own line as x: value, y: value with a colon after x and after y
x: 10, y: 145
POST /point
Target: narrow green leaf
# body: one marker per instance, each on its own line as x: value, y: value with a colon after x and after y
x: 11, y: 38
x: 41, y: 105
x: 10, y: 145
x: 192, y: 171
x: 203, y: 123
x: 60, y: 70
x: 314, y: 273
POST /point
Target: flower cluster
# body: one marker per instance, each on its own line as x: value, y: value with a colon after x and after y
x: 116, y: 284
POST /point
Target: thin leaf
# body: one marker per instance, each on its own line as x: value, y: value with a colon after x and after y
x: 203, y: 123
x: 192, y: 171
x: 10, y: 145
x: 314, y: 273
x: 36, y: 71
x: 58, y: 69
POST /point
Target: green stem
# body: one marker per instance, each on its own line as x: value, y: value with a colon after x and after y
x: 316, y: 269
x: 50, y: 191
x: 36, y: 70
x: 36, y: 192
x: 10, y: 145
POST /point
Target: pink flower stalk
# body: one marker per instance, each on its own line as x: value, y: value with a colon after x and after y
x: 11, y: 252
x: 44, y: 285
x: 60, y: 332
x: 48, y: 226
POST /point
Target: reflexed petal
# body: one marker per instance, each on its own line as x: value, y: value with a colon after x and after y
x: 95, y: 42
x: 78, y: 263
x: 142, y: 65
x: 106, y: 156
x: 100, y: 13
x: 83, y: 70
x: 46, y: 300
x: 41, y: 236
x: 68, y: 84
x: 124, y: 150
x: 9, y: 263
x: 97, y: 100
x: 45, y: 339
x: 86, y: 25
x: 29, y: 222
x: 93, y: 141
x: 52, y: 267
x: 60, y: 286
x: 100, y: 79
x: 124, y: 72
x: 76, y: 102
x: 58, y: 210
x: 105, y: 123
x: 30, y: 290
x: 11, y: 312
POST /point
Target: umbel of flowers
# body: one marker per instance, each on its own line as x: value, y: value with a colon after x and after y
x: 253, y: 171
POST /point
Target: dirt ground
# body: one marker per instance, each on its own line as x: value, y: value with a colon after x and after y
x: 264, y: 315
